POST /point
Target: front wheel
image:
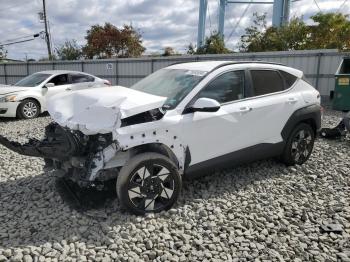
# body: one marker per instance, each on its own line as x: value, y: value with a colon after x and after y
x: 299, y: 145
x: 148, y: 183
x: 28, y: 109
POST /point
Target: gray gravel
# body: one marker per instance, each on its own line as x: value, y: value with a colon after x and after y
x: 262, y: 211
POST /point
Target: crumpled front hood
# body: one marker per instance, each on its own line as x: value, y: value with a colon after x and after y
x: 7, y: 90
x: 99, y: 110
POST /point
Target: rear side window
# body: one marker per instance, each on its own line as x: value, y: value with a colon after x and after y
x: 225, y: 88
x: 289, y: 78
x: 80, y: 78
x: 266, y: 82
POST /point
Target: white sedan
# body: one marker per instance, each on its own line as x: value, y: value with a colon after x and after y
x: 27, y: 98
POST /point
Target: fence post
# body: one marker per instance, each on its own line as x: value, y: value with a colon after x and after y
x: 116, y: 72
x: 27, y: 67
x: 318, y: 69
x: 82, y: 66
x: 53, y: 65
x: 5, y: 73
x: 152, y: 65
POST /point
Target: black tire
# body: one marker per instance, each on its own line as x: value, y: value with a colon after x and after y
x: 157, y: 189
x: 299, y: 147
x: 28, y: 109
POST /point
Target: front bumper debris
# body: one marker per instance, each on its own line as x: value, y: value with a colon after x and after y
x: 70, y: 154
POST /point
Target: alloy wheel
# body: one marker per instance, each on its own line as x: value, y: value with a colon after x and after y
x: 301, y: 146
x: 151, y: 187
x: 30, y: 109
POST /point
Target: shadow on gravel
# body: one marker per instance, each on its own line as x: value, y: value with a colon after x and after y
x: 36, y: 210
x: 12, y: 119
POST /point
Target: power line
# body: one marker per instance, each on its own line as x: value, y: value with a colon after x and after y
x: 239, y: 21
x: 340, y: 7
x: 317, y: 6
x: 17, y: 38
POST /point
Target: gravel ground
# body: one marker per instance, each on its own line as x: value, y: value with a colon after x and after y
x: 262, y: 211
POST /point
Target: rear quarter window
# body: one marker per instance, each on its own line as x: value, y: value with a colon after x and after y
x: 288, y: 78
x: 266, y: 82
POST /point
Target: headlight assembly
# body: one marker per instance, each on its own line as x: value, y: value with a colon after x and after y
x: 10, y: 98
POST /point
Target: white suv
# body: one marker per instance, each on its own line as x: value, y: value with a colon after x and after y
x: 181, y: 121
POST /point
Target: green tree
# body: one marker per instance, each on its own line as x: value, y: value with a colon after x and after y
x: 70, y: 50
x: 214, y: 44
x: 3, y: 52
x: 331, y: 30
x: 191, y: 50
x: 108, y: 41
x: 169, y: 51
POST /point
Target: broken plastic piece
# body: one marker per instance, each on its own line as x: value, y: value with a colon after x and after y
x: 331, y: 228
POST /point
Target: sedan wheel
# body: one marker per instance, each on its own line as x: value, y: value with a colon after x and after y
x: 29, y: 109
x: 152, y: 185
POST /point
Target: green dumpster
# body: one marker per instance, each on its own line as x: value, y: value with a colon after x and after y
x: 341, y: 95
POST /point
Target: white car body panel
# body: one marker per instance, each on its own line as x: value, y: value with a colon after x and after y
x: 42, y: 94
x: 99, y: 110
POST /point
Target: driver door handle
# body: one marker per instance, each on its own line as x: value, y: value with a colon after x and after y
x: 245, y: 109
x: 292, y: 100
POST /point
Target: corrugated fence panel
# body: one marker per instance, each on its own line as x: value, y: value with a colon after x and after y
x: 138, y: 68
x: 100, y: 68
x: 2, y: 71
x: 2, y: 80
x: 16, y: 69
x: 68, y: 66
x: 37, y: 67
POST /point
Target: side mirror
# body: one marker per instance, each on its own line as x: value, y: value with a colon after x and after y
x: 205, y: 105
x: 48, y: 85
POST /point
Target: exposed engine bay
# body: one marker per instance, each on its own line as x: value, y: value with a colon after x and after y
x: 69, y: 152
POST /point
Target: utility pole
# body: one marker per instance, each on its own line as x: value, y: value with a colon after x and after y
x: 47, y: 36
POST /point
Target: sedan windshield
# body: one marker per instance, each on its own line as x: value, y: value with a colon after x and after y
x: 174, y: 84
x: 33, y: 80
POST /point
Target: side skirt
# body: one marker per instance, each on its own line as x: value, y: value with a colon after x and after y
x: 246, y: 155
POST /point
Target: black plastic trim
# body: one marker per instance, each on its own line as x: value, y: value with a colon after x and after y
x: 310, y: 114
x: 246, y: 155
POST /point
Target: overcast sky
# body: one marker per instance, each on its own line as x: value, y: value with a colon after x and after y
x: 161, y: 22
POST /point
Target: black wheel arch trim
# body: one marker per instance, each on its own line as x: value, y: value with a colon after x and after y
x: 309, y: 114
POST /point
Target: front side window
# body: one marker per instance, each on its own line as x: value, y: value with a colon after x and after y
x: 266, y: 82
x: 59, y: 80
x: 225, y: 88
x: 174, y: 84
x: 33, y: 80
x: 80, y: 78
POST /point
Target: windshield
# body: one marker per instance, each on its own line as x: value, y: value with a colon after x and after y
x: 33, y: 80
x: 174, y: 84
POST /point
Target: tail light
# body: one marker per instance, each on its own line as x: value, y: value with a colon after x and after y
x: 107, y: 83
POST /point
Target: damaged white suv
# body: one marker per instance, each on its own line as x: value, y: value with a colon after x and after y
x: 181, y: 121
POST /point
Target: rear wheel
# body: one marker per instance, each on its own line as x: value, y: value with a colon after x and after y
x: 299, y: 145
x: 148, y: 183
x: 28, y: 109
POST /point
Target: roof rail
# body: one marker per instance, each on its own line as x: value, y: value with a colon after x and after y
x: 229, y: 63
